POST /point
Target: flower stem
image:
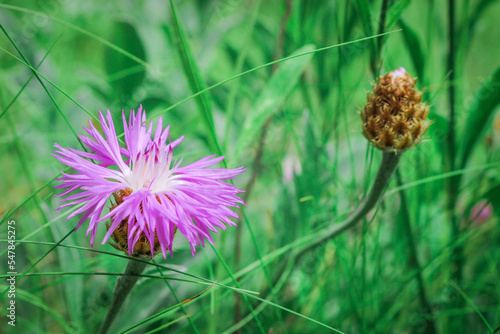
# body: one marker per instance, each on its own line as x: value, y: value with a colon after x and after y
x: 453, y: 182
x: 123, y: 286
x: 388, y: 165
x: 430, y: 326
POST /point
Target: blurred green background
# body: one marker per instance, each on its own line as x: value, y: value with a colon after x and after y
x: 426, y: 262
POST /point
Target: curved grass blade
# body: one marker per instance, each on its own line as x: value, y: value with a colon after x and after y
x: 191, y: 323
x: 32, y: 74
x: 83, y: 31
x: 484, y: 105
x: 273, y: 95
x: 166, y: 310
x: 153, y: 115
x: 35, y: 72
x: 193, y: 76
x: 11, y: 212
x: 394, y: 13
x: 125, y: 36
x: 51, y: 83
x: 201, y: 280
x: 235, y: 281
x: 442, y: 176
x: 415, y: 48
x: 471, y: 303
x: 37, y: 302
x: 40, y: 259
x: 188, y: 316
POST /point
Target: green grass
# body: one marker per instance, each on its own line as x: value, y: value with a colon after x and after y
x: 275, y: 86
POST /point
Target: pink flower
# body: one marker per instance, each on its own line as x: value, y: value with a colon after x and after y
x: 481, y: 212
x: 155, y: 196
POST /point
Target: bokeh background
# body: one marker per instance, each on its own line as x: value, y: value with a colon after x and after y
x: 425, y: 262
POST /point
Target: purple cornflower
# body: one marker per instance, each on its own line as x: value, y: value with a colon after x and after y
x: 154, y: 195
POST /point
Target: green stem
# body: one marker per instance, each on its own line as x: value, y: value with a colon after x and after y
x: 376, y: 59
x: 388, y: 165
x: 451, y: 88
x: 424, y: 301
x: 453, y: 182
x: 257, y: 168
x: 123, y: 286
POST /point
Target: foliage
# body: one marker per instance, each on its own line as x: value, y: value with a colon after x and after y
x: 295, y: 124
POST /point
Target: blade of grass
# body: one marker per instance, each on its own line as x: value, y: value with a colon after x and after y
x: 35, y: 72
x: 245, y: 46
x: 191, y: 323
x: 442, y: 176
x: 39, y: 303
x: 40, y: 259
x: 165, y: 311
x: 51, y: 83
x: 125, y: 36
x: 188, y: 316
x: 204, y: 105
x: 11, y: 212
x: 414, y: 260
x: 32, y: 74
x: 81, y: 30
x: 200, y: 280
x: 24, y: 163
x: 272, y: 96
x: 396, y: 10
x: 72, y: 291
x: 235, y: 281
x: 153, y: 115
x: 484, y: 105
x: 415, y: 49
x: 471, y: 303
x: 194, y: 77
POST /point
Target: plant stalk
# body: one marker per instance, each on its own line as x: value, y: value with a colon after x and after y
x: 414, y: 262
x: 257, y: 167
x: 376, y: 59
x: 123, y: 286
x: 453, y: 182
x: 387, y: 167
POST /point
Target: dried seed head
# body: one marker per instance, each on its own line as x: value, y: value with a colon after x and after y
x: 394, y: 117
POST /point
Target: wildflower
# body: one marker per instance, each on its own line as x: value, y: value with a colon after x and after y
x: 154, y: 196
x: 481, y: 212
x: 394, y: 118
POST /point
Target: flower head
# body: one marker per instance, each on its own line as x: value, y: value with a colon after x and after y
x: 154, y: 195
x: 394, y: 118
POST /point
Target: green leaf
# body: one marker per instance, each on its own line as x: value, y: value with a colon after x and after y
x: 193, y: 75
x: 272, y: 97
x: 124, y: 36
x: 395, y: 11
x: 415, y: 47
x: 364, y: 9
x: 484, y: 104
x: 71, y: 260
x: 438, y: 130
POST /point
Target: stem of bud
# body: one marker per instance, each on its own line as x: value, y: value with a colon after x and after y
x: 387, y: 167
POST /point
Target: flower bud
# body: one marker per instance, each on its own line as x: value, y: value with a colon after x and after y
x: 394, y: 117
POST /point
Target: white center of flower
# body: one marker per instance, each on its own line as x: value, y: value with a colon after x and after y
x: 151, y: 170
